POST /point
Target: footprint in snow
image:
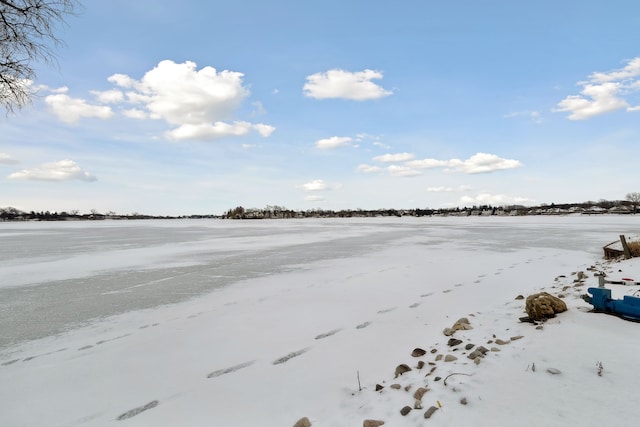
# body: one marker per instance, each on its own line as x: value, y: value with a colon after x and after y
x: 136, y: 411
x: 290, y: 356
x: 386, y: 310
x: 363, y: 325
x: 414, y: 305
x: 229, y: 370
x: 328, y: 334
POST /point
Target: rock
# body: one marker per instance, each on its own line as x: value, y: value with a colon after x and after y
x: 520, y: 297
x: 495, y: 349
x: 517, y: 337
x: 582, y: 275
x: 419, y: 393
x: 417, y: 352
x: 401, y: 369
x: 539, y: 327
x: 543, y: 305
x: 303, y: 422
x: 404, y: 411
x: 554, y: 371
x: 372, y: 423
x: 463, y: 320
x: 453, y: 342
x: 395, y: 386
x: 417, y: 404
x: 448, y: 331
x: 420, y: 364
x: 501, y: 342
x: 407, y: 388
x: 430, y: 412
x: 437, y: 378
x: 469, y: 346
x: 434, y: 350
x: 462, y: 327
x: 477, y: 360
x: 463, y: 401
x: 482, y: 349
x: 379, y: 387
x: 438, y: 357
x: 450, y: 358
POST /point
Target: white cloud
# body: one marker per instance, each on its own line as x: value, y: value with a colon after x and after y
x: 492, y: 199
x: 333, y: 142
x: 314, y: 198
x: 603, y: 92
x: 460, y: 188
x: 368, y: 168
x: 6, y: 159
x: 315, y: 185
x: 108, y: 96
x: 534, y: 116
x: 403, y: 171
x: 478, y: 163
x: 338, y: 83
x: 63, y: 170
x: 70, y: 110
x: 397, y: 157
x: 198, y: 103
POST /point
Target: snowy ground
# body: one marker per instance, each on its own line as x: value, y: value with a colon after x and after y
x: 225, y: 323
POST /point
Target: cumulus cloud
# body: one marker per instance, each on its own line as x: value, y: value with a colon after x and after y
x: 333, y: 142
x: 403, y: 171
x: 492, y: 199
x: 391, y: 158
x: 478, y: 163
x: 70, y: 110
x: 460, y: 188
x: 603, y: 92
x: 338, y: 83
x: 368, y: 168
x: 63, y: 170
x: 199, y: 103
x: 108, y: 96
x: 315, y: 185
x: 6, y: 159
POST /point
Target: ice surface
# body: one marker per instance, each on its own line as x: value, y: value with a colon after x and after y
x: 246, y: 323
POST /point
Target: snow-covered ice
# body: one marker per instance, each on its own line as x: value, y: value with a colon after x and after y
x: 260, y: 323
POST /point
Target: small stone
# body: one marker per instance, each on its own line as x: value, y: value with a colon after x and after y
x: 401, y: 369
x: 501, y: 342
x: 539, y: 327
x: 463, y: 401
x: 420, y: 364
x: 430, y: 412
x: 407, y: 388
x: 517, y: 337
x: 453, y: 342
x: 450, y: 358
x: 482, y: 349
x: 463, y: 320
x: 553, y: 371
x: 417, y: 404
x: 419, y: 393
x: 417, y: 352
x: 520, y: 297
x: 303, y: 422
x: 437, y: 378
x: 379, y: 387
x: 495, y: 349
x: 372, y: 423
x: 404, y: 411
x: 434, y: 350
x: 469, y: 346
x: 439, y: 357
x: 477, y: 360
x: 395, y: 386
x: 448, y: 332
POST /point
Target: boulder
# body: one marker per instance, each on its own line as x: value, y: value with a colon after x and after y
x: 401, y: 369
x: 303, y: 422
x: 417, y: 352
x: 543, y: 305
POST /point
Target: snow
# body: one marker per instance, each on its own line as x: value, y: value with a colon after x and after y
x: 295, y: 311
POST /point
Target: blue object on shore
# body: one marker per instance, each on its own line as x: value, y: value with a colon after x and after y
x: 627, y: 307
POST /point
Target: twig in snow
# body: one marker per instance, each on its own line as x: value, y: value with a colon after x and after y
x: 359, y: 386
x: 455, y: 373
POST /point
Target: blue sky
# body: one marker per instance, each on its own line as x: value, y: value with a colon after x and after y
x: 174, y: 108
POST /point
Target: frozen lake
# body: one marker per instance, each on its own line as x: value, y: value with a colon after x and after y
x: 60, y: 275
x: 245, y: 323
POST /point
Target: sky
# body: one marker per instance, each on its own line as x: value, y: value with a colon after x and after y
x: 196, y: 109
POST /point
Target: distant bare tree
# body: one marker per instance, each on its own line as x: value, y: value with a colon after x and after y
x: 27, y: 35
x: 634, y: 198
